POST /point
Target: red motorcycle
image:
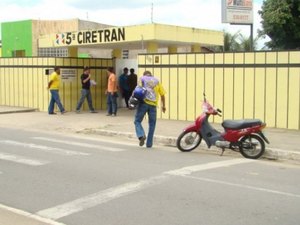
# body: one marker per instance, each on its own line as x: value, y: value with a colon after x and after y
x: 245, y: 136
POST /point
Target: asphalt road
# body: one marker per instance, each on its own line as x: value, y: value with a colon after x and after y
x: 80, y: 180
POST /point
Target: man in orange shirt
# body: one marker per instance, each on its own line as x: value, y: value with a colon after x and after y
x: 111, y: 93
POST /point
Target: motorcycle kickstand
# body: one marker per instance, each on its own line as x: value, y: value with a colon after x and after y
x: 223, y: 150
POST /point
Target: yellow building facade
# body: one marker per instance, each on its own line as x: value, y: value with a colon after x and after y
x: 147, y: 38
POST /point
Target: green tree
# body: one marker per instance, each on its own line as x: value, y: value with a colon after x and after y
x: 237, y: 42
x: 231, y: 42
x: 281, y: 22
x: 245, y: 43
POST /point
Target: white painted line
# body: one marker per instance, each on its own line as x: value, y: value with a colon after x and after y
x: 112, y: 141
x: 99, y: 198
x: 245, y: 186
x: 29, y: 215
x: 43, y: 148
x: 191, y: 169
x: 22, y: 160
x: 104, y: 196
x: 105, y: 148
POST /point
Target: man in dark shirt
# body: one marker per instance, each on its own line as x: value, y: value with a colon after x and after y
x: 132, y: 81
x: 123, y: 85
x: 85, y: 91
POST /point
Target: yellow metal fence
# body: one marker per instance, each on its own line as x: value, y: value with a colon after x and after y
x: 23, y: 81
x: 264, y: 85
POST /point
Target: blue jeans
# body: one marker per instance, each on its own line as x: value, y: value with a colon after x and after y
x: 141, y: 111
x: 112, y: 103
x: 55, y: 99
x: 85, y: 94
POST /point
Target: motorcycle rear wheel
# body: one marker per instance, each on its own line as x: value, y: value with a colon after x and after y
x: 188, y: 141
x: 252, y: 146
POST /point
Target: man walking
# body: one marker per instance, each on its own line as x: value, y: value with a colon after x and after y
x: 85, y: 91
x: 53, y: 86
x: 149, y: 106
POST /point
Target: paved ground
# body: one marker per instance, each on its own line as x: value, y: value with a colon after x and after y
x: 284, y: 143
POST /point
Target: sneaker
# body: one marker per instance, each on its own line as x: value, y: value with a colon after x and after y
x: 142, y: 140
x: 77, y: 111
x: 108, y: 114
x: 53, y: 113
x: 63, y: 112
x: 113, y: 114
x: 93, y: 111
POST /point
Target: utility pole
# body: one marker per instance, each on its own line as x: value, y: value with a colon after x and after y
x: 152, y: 12
x: 251, y: 37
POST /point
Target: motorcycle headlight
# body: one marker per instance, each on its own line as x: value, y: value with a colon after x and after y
x: 204, y: 108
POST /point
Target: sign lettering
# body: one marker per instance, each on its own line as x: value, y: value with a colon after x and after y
x: 91, y: 37
x: 68, y: 75
x: 237, y: 11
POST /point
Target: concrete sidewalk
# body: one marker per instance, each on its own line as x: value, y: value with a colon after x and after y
x: 284, y: 143
x: 11, y: 216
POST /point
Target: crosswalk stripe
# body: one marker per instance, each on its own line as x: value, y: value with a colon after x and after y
x: 112, y: 193
x: 43, y: 148
x: 105, y: 148
x: 22, y: 160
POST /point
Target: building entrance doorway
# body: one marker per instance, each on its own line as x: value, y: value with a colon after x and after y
x: 120, y: 64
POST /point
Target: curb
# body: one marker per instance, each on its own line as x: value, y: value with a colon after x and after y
x: 18, y: 111
x: 278, y: 154
x: 270, y: 153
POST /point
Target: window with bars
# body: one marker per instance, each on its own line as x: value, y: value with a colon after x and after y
x: 53, y: 52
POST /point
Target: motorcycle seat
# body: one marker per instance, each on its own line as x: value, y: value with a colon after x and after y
x: 240, y: 124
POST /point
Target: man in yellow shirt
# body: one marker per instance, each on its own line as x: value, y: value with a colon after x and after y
x: 53, y: 86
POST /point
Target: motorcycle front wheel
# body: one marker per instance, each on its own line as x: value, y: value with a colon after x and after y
x: 252, y: 146
x: 188, y: 141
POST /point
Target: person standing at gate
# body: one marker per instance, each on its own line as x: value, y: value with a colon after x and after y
x: 85, y: 91
x: 124, y: 87
x: 132, y: 81
x: 111, y: 92
x: 53, y: 86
